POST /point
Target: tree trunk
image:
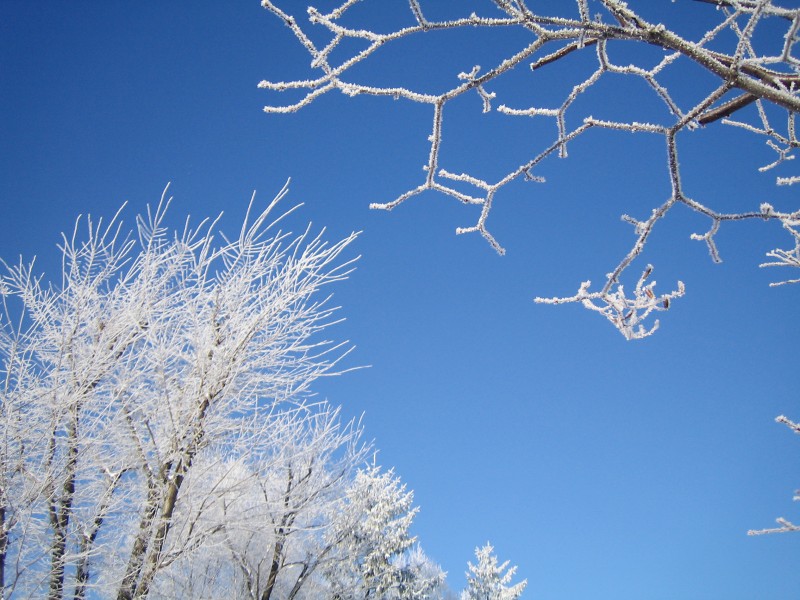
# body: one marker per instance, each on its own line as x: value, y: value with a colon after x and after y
x: 61, y: 508
x: 87, y: 542
x: 277, y: 555
x: 127, y: 588
x: 3, y: 542
x: 164, y: 525
x: 143, y: 564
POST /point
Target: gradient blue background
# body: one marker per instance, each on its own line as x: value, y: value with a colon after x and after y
x: 603, y: 468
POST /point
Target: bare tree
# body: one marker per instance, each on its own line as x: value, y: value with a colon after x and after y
x: 267, y: 527
x: 309, y: 524
x: 161, y: 365
x: 750, y: 81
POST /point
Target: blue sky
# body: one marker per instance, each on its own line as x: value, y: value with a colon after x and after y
x: 603, y: 468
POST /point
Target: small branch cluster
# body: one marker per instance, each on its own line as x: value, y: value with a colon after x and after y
x: 784, y: 525
x: 745, y: 76
x: 785, y: 258
x: 628, y: 315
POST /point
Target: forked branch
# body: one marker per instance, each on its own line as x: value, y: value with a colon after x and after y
x: 739, y: 51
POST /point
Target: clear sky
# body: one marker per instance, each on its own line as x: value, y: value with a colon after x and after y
x: 602, y: 468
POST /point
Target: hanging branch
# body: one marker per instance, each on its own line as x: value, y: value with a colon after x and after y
x: 746, y: 77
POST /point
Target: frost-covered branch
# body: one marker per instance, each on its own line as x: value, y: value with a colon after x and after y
x: 785, y: 258
x: 785, y: 526
x: 749, y: 53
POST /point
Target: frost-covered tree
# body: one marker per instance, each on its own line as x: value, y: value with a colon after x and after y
x: 490, y: 580
x: 739, y: 68
x: 376, y: 557
x: 154, y: 391
x: 271, y: 521
x: 311, y: 526
x: 158, y: 437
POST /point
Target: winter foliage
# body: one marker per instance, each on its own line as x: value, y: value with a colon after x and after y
x: 743, y: 66
x: 159, y: 437
x: 490, y: 580
x: 378, y: 559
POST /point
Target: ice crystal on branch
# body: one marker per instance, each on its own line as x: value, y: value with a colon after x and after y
x: 628, y: 315
x: 785, y: 258
x: 748, y: 52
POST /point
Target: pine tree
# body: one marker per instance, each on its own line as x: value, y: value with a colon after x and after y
x: 488, y: 580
